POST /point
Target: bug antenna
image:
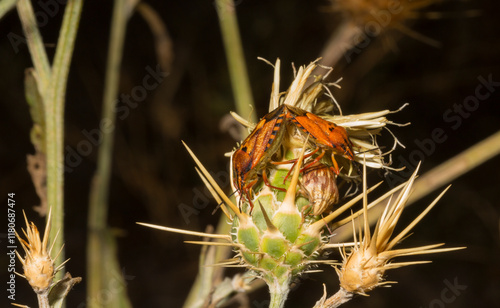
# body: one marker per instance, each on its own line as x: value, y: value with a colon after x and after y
x: 222, y: 202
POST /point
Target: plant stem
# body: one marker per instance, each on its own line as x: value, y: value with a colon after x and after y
x: 236, y: 59
x: 279, y: 289
x: 334, y: 301
x: 244, y: 102
x: 102, y: 263
x: 35, y: 45
x: 100, y: 186
x: 54, y: 99
x: 342, y: 40
x: 456, y: 166
x: 43, y: 299
x: 6, y: 6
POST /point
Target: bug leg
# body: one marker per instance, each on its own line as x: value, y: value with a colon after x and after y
x: 330, y: 231
x: 309, y: 165
x: 251, y: 205
x: 289, y: 172
x: 247, y: 193
x: 266, y: 181
x: 243, y: 194
x: 335, y: 167
x: 317, y: 159
x: 249, y: 198
x: 294, y: 160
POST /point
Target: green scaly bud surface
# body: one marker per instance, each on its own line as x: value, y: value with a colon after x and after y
x: 274, y: 243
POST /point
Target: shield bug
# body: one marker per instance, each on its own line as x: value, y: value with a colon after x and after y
x: 327, y: 135
x: 256, y: 150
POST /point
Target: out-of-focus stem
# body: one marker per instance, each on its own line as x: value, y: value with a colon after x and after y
x: 100, y: 188
x: 98, y: 256
x: 340, y: 42
x: 456, y: 166
x: 6, y: 6
x: 201, y: 289
x: 235, y: 58
x: 208, y: 275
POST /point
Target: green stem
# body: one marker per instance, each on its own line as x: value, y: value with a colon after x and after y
x: 35, y: 44
x: 54, y: 99
x: 279, y: 289
x: 6, y: 6
x: 98, y: 208
x: 201, y: 289
x: 235, y: 57
x: 100, y: 258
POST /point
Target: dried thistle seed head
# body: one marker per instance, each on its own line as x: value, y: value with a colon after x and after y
x: 39, y: 271
x: 320, y: 187
x: 38, y: 266
x: 361, y: 272
x: 364, y: 266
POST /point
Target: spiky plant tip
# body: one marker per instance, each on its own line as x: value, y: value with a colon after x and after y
x: 363, y: 268
x: 38, y: 266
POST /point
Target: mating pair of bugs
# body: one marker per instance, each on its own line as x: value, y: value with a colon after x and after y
x: 258, y: 148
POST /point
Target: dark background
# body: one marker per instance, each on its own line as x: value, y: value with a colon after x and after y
x: 153, y: 174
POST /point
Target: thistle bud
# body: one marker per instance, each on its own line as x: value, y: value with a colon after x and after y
x: 38, y: 266
x: 320, y: 186
x: 39, y: 269
x: 362, y: 272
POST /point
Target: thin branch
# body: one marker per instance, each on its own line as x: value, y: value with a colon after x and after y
x: 6, y: 6
x: 235, y: 58
x: 35, y: 44
x: 98, y: 258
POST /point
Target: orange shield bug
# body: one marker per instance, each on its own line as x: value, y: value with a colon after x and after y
x: 327, y: 135
x: 256, y: 150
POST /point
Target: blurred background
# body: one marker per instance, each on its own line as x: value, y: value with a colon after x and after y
x: 435, y: 63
